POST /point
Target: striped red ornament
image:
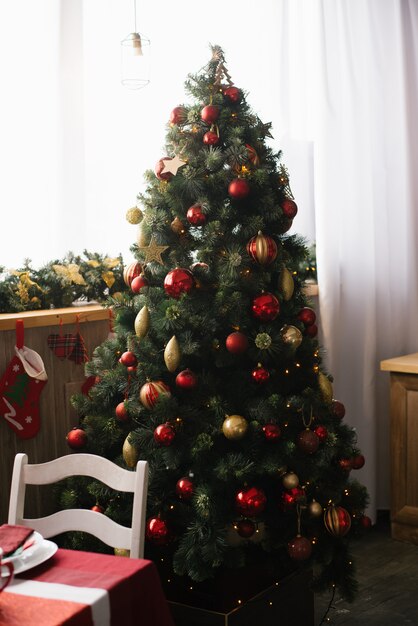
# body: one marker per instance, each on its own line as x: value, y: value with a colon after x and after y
x: 337, y: 521
x: 150, y: 392
x: 262, y: 249
x: 131, y: 271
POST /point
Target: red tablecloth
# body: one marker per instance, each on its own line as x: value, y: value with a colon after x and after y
x: 128, y: 589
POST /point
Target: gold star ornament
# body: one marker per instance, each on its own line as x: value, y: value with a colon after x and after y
x: 153, y: 252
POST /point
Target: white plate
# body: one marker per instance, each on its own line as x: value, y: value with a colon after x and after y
x: 37, y: 540
x: 45, y: 549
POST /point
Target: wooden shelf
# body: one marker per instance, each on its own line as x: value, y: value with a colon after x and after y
x: 52, y: 317
x: 407, y: 364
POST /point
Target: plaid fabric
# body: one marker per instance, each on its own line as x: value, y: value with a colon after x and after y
x: 79, y: 354
x: 62, y: 345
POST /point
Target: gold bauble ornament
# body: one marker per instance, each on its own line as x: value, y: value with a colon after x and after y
x: 286, y: 284
x: 142, y: 239
x: 121, y: 552
x: 315, y: 509
x: 326, y: 387
x: 134, y: 215
x: 290, y: 481
x: 291, y: 336
x: 129, y: 452
x: 172, y: 354
x: 177, y: 226
x: 234, y: 427
x: 142, y: 322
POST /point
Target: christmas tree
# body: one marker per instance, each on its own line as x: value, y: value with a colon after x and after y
x: 214, y: 375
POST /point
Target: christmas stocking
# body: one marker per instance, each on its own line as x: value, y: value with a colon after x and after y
x: 20, y: 388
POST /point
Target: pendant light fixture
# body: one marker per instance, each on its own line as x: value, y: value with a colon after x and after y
x: 135, y: 59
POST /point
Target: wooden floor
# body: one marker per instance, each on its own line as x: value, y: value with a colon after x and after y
x: 387, y: 572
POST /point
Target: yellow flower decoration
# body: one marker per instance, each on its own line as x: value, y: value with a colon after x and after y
x: 111, y: 263
x: 70, y: 273
x: 109, y: 278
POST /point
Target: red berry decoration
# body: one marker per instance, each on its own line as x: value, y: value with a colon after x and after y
x: 159, y: 167
x: 265, y: 307
x: 365, y: 522
x: 184, y: 488
x: 308, y: 441
x: 76, y: 438
x: 251, y: 502
x: 178, y: 116
x: 338, y: 409
x: 300, y: 548
x: 260, y: 376
x: 138, y: 283
x: 195, y: 215
x: 262, y: 249
x: 233, y: 94
x: 157, y: 531
x: 358, y: 462
x: 121, y: 412
x: 164, y: 434
x: 131, y: 271
x: 236, y: 343
x: 307, y: 316
x: 271, y: 432
x: 239, y: 188
x: 321, y: 432
x: 97, y: 508
x: 245, y: 528
x: 186, y: 379
x: 128, y: 359
x: 210, y: 113
x: 291, y: 496
x: 178, y: 281
x: 289, y: 208
x: 346, y: 464
x: 152, y: 391
x: 311, y: 331
x: 337, y: 521
x: 211, y: 138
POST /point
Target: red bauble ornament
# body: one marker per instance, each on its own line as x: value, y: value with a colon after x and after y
x: 236, y: 343
x: 211, y: 138
x: 186, y: 379
x: 233, y: 94
x: 131, y: 368
x: 178, y: 281
x: 272, y: 432
x: 262, y: 249
x: 157, y: 531
x: 76, y: 438
x: 346, y: 464
x: 121, y: 412
x: 97, y: 508
x: 164, y: 434
x: 178, y: 116
x: 138, y: 283
x: 308, y: 441
x: 321, y: 432
x: 239, y: 188
x: 184, y: 488
x: 195, y: 215
x: 337, y: 521
x: 365, y: 522
x: 265, y: 307
x: 210, y: 113
x: 300, y: 548
x: 307, y: 316
x: 289, y: 208
x: 128, y: 359
x: 131, y: 271
x: 292, y: 496
x: 286, y: 225
x: 260, y: 375
x: 159, y: 167
x: 357, y: 462
x: 338, y: 409
x: 245, y: 528
x: 150, y: 392
x: 311, y: 331
x: 251, y: 502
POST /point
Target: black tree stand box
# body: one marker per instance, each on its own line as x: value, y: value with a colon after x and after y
x: 244, y: 598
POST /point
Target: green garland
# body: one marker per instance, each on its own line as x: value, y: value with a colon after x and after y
x: 91, y: 277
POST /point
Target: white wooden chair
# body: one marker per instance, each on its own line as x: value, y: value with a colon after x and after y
x: 92, y: 522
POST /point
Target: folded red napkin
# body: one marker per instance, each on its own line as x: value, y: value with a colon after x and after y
x: 12, y: 537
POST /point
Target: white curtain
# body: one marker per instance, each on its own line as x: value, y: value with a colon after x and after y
x: 352, y: 83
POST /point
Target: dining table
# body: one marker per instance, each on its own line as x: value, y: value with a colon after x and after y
x: 76, y: 588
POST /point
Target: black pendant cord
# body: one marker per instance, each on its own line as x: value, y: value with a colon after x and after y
x: 329, y: 607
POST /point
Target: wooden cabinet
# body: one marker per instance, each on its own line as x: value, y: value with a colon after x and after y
x: 404, y: 445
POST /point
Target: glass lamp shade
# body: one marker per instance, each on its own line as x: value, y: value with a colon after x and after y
x: 135, y: 61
